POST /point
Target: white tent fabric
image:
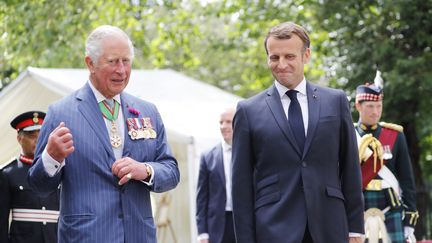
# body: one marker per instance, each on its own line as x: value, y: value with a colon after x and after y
x: 189, y: 108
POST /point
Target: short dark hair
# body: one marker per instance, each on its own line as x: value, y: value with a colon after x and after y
x: 285, y: 31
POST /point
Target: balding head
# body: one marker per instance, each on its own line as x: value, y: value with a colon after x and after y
x: 225, y: 124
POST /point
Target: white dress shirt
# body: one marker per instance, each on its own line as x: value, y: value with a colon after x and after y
x: 301, y: 97
x: 227, y: 151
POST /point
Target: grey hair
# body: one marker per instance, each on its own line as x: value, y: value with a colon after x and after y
x: 94, y: 48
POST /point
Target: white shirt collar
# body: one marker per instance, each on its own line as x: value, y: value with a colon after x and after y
x: 100, y: 97
x: 225, y: 146
x: 301, y: 88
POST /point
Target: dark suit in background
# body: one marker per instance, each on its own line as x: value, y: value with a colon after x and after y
x: 214, y: 207
x: 284, y: 194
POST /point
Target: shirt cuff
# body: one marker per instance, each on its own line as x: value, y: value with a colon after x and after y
x: 52, y: 167
x: 351, y: 234
x: 150, y: 181
x: 203, y: 236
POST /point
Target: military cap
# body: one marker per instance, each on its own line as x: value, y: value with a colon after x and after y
x: 371, y: 92
x: 368, y: 92
x: 28, y: 121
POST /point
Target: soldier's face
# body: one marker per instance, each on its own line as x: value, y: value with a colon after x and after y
x: 28, y: 140
x: 370, y: 112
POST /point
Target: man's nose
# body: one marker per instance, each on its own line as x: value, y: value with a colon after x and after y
x: 283, y: 63
x: 121, y: 67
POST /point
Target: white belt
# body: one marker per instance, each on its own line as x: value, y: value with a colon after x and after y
x: 35, y: 215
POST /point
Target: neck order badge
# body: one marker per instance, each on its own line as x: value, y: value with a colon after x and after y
x: 111, y: 114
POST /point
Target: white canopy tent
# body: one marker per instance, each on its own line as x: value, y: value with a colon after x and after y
x: 189, y: 108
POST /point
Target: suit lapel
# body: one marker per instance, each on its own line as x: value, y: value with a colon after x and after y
x: 126, y: 103
x: 275, y: 105
x: 89, y: 109
x: 314, y: 110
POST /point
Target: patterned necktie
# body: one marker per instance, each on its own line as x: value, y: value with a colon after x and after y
x: 295, y: 119
x: 109, y: 109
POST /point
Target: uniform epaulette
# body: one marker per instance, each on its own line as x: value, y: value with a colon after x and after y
x: 392, y: 126
x: 2, y: 165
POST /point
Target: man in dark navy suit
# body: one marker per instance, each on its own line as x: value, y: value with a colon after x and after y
x: 214, y: 204
x: 296, y: 173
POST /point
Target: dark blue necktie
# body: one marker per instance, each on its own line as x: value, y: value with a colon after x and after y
x: 295, y: 119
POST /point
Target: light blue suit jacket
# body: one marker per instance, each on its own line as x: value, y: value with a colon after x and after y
x: 93, y: 207
x: 279, y: 190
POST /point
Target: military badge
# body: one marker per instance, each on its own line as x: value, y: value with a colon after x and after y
x: 140, y: 128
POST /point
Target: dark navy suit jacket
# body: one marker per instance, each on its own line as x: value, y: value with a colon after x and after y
x: 278, y: 190
x: 93, y: 207
x: 211, y: 195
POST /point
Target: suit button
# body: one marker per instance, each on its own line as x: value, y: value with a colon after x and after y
x: 120, y: 216
x: 304, y: 164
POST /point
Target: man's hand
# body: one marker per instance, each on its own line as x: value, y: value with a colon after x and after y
x: 60, y: 143
x: 126, y: 169
x: 356, y: 240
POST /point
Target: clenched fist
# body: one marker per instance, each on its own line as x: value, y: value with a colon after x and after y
x: 60, y: 143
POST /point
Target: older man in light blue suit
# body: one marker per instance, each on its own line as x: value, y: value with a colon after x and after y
x: 107, y: 150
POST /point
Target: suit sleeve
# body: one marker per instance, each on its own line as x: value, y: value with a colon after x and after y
x: 243, y: 179
x: 38, y: 178
x: 404, y: 173
x: 4, y: 207
x: 350, y: 171
x: 166, y: 172
x: 202, y: 197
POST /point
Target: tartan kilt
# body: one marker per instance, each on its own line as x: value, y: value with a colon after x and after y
x: 393, y: 217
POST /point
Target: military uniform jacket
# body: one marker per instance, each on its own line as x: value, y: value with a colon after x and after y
x: 15, y: 193
x: 399, y: 165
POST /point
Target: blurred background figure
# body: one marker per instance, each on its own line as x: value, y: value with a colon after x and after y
x: 214, y: 203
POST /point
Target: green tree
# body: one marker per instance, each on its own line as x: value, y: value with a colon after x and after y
x: 220, y: 42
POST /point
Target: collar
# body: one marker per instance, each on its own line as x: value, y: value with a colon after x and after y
x: 301, y: 88
x: 225, y: 146
x: 368, y: 128
x: 100, y: 97
x: 25, y: 159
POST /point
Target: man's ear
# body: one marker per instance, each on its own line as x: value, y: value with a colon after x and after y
x: 19, y: 138
x: 90, y: 64
x: 306, y: 55
x: 357, y: 106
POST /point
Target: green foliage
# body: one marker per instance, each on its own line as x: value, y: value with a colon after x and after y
x: 220, y: 42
